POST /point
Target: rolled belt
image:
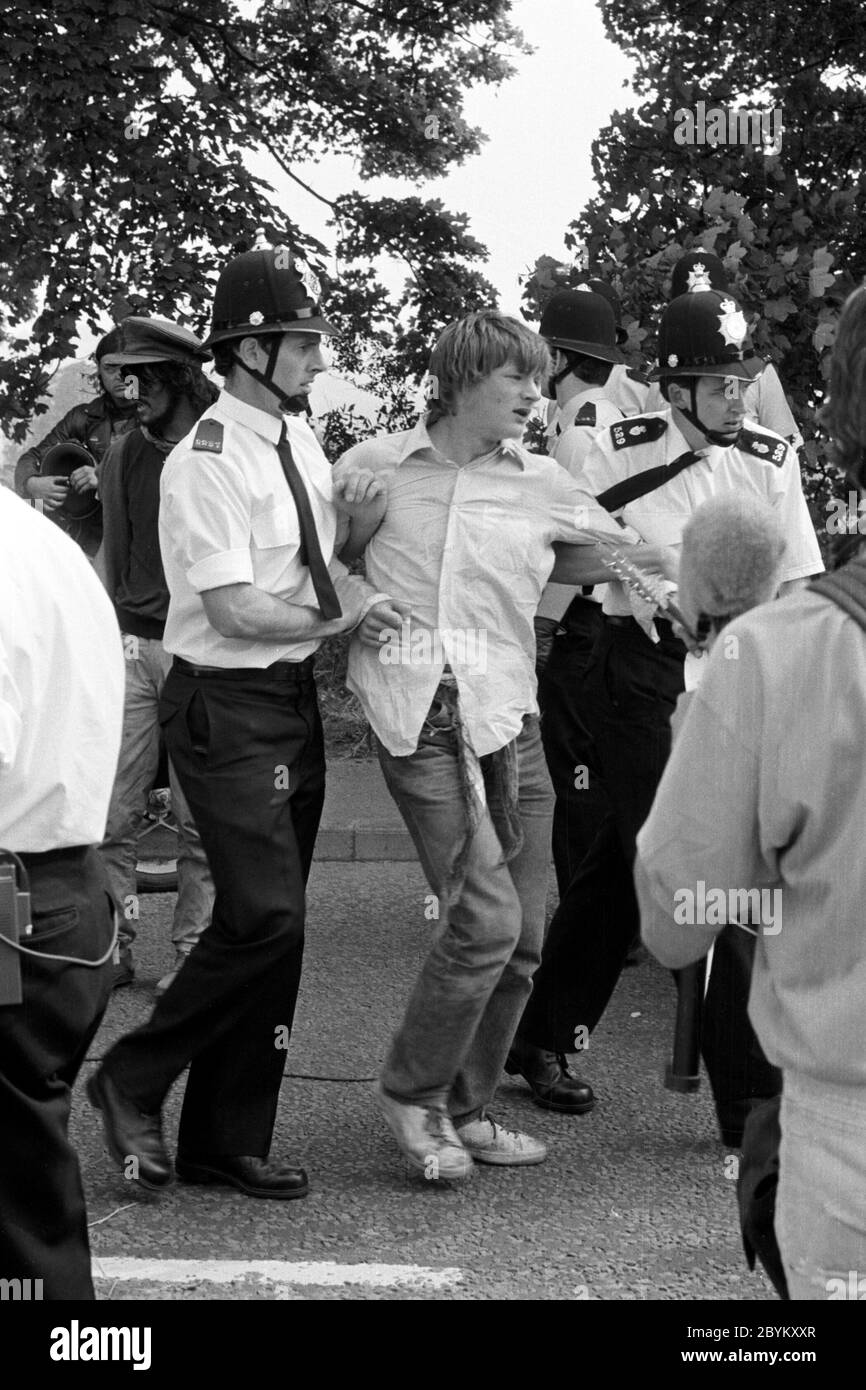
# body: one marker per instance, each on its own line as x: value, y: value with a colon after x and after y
x: 279, y: 671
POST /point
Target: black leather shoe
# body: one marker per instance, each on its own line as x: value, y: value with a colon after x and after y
x: 552, y: 1086
x: 130, y: 1134
x: 257, y: 1177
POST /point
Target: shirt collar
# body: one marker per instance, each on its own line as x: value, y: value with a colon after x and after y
x: 270, y: 427
x: 418, y: 441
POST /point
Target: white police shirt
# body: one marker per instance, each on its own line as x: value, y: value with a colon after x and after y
x: 569, y: 438
x: 61, y: 687
x: 762, y: 462
x: 227, y: 516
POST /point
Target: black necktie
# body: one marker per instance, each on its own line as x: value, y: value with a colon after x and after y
x: 310, y: 551
x: 642, y: 483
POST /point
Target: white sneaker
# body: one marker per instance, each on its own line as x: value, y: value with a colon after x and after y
x: 426, y: 1138
x: 489, y: 1142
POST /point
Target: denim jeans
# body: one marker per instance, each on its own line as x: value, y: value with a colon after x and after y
x: 147, y: 666
x: 820, y: 1211
x: 463, y: 1012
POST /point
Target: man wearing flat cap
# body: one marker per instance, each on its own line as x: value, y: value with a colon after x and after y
x: 162, y: 365
x: 249, y: 532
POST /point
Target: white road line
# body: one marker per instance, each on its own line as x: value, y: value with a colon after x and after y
x: 275, y: 1272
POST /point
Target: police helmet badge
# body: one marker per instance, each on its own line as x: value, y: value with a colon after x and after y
x: 309, y: 281
x: 732, y: 323
x: 698, y: 278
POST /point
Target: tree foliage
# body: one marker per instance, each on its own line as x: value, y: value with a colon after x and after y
x: 789, y: 224
x: 125, y: 134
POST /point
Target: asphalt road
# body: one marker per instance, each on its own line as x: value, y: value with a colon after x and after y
x: 636, y: 1200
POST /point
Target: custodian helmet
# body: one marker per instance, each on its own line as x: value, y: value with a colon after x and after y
x: 266, y: 291
x: 582, y: 322
x: 704, y: 334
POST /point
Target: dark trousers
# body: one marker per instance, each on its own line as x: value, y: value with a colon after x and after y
x: 43, y: 1043
x: 581, y: 801
x: 630, y: 691
x: 248, y: 750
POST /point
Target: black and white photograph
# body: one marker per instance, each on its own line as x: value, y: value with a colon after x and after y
x: 432, y: 668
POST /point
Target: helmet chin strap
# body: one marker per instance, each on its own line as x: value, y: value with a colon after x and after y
x: 292, y: 405
x: 724, y: 441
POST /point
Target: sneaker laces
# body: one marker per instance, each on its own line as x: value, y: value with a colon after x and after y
x: 438, y: 1125
x: 511, y: 1136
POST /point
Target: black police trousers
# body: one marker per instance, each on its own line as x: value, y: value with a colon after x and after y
x: 43, y: 1043
x: 248, y: 751
x: 581, y: 801
x: 628, y: 696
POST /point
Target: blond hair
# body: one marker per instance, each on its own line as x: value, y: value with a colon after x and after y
x: 469, y: 350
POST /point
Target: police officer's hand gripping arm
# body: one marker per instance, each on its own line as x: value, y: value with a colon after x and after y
x: 361, y: 498
x: 242, y: 610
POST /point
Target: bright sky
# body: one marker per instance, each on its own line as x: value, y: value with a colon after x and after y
x: 534, y: 174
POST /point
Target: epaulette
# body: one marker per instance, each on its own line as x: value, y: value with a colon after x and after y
x: 586, y: 415
x: 770, y: 450
x: 209, y: 435
x: 634, y: 375
x: 646, y: 429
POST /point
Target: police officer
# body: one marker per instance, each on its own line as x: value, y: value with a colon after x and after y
x: 248, y: 531
x: 764, y: 397
x: 652, y: 472
x: 580, y: 330
x: 626, y: 387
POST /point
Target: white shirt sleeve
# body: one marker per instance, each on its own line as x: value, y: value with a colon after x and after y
x: 578, y: 518
x: 205, y: 512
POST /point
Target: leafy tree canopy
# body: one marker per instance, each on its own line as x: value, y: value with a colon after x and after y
x: 787, y: 222
x: 125, y: 134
